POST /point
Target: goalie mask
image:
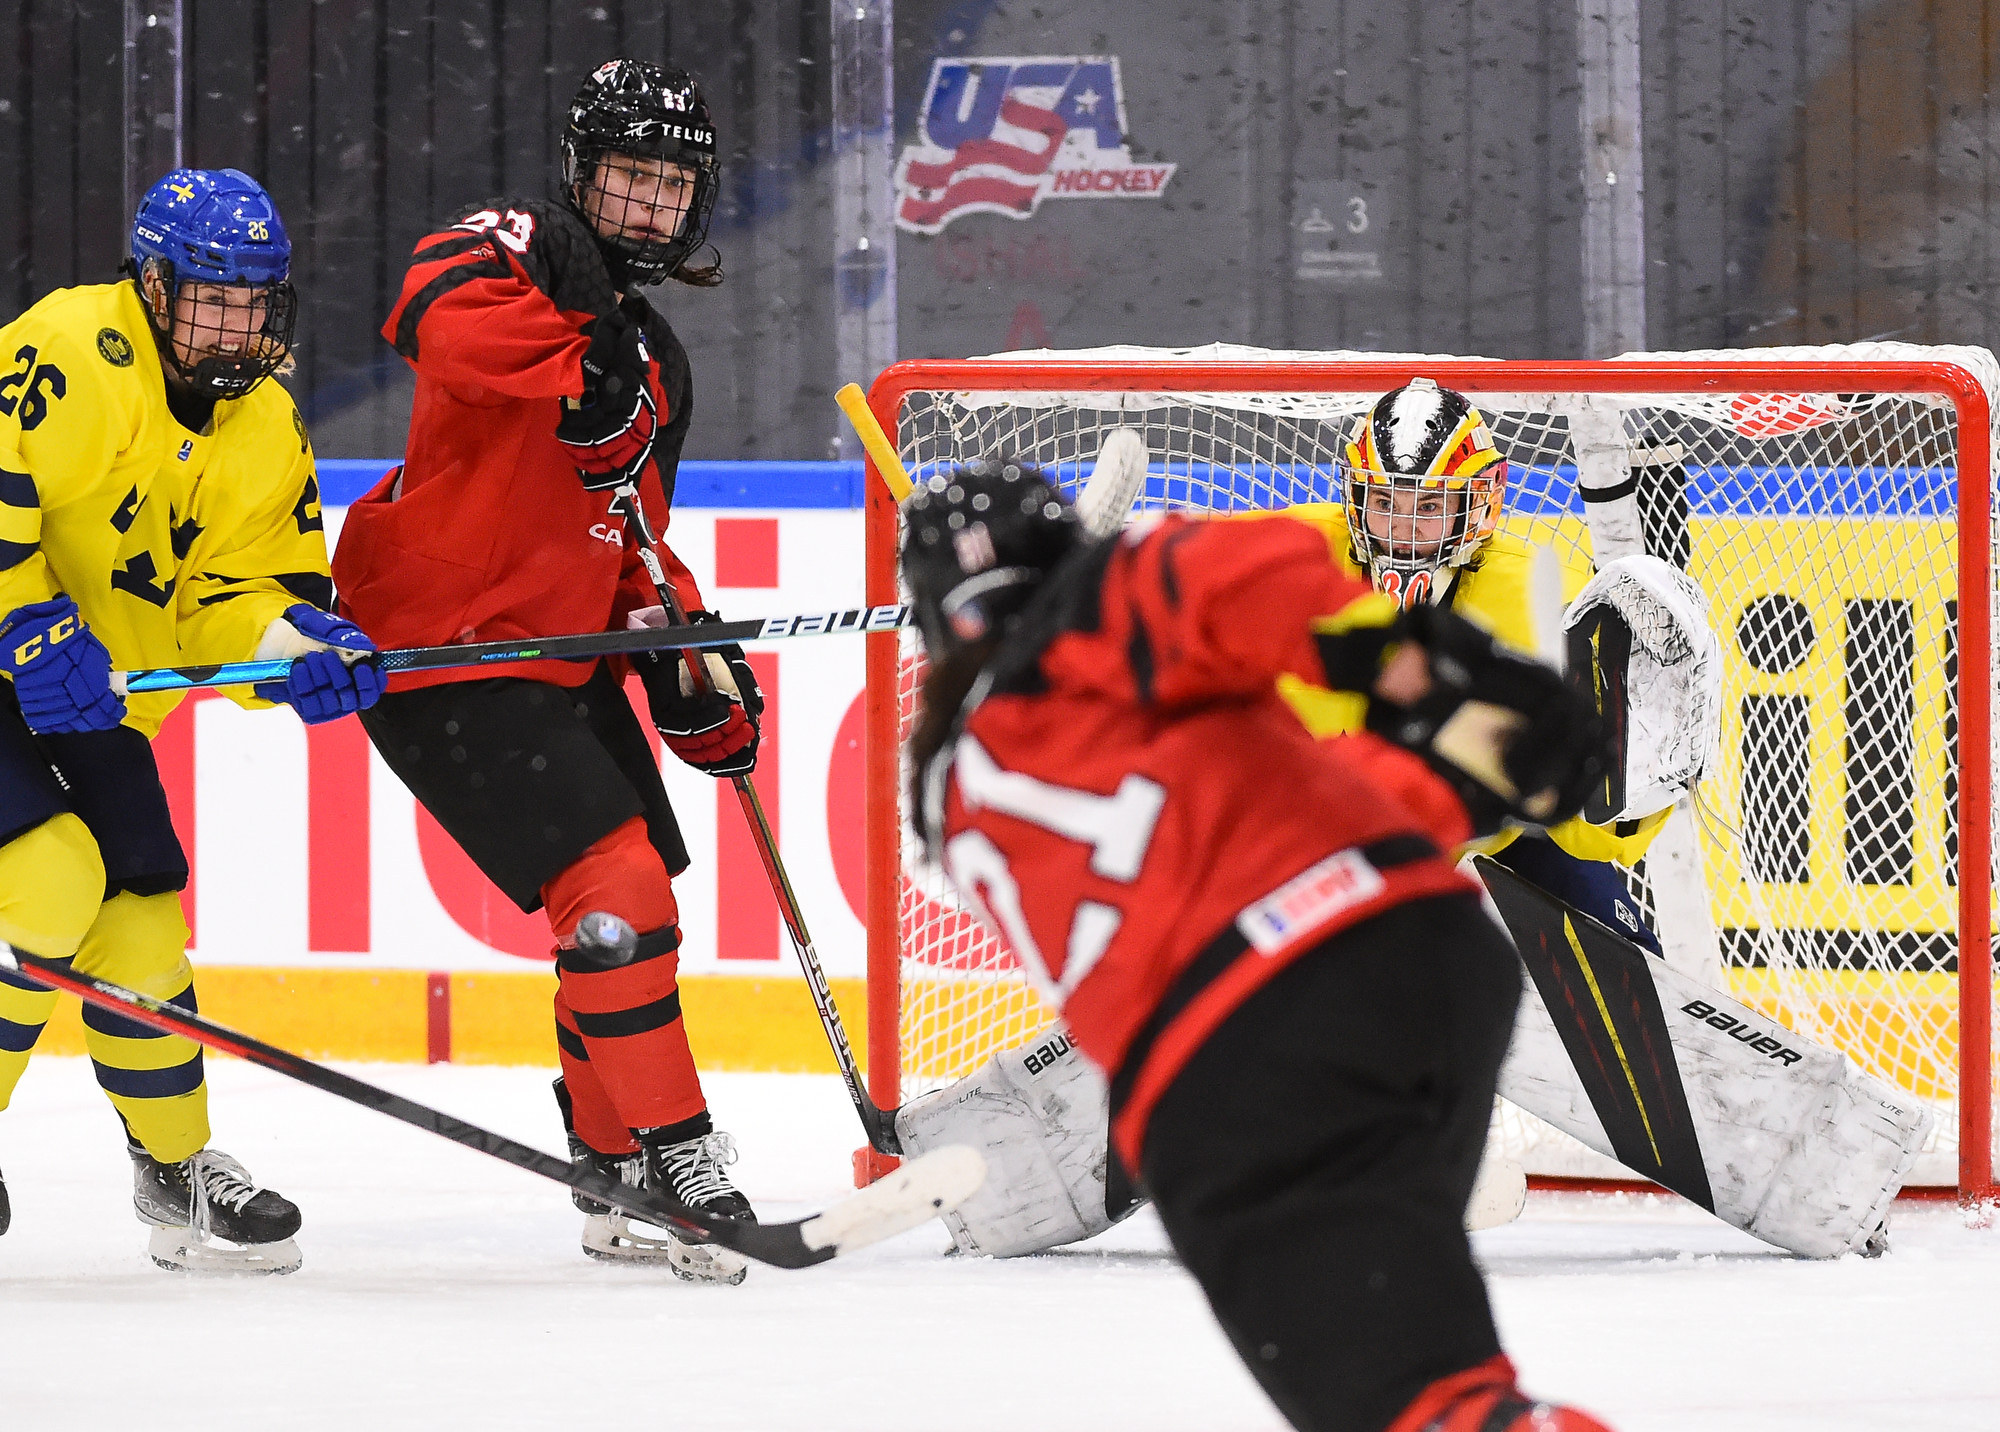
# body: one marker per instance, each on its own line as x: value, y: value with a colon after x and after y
x: 1422, y: 483
x: 977, y: 542
x: 639, y: 167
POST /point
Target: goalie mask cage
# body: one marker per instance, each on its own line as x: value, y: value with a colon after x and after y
x: 1834, y: 504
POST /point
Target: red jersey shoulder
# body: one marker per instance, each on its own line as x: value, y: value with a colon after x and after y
x: 538, y: 242
x: 1155, y: 614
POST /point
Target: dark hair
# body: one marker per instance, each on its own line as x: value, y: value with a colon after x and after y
x: 946, y: 685
x: 708, y: 275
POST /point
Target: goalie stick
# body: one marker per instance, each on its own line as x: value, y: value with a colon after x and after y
x: 586, y: 646
x: 920, y: 1190
x: 1776, y: 1135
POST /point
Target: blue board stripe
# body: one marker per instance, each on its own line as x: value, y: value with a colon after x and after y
x: 700, y: 484
x: 1713, y: 491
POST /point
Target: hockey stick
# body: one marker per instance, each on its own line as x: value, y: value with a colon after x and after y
x: 917, y: 1192
x: 881, y: 1127
x: 1116, y: 480
x: 584, y: 647
x: 854, y: 403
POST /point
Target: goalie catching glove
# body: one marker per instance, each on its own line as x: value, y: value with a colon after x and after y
x: 1507, y: 733
x: 715, y: 731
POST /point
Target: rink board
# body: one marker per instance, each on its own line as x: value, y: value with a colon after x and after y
x: 331, y: 914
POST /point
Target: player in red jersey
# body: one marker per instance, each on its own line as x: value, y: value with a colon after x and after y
x: 1299, y: 1002
x: 545, y: 383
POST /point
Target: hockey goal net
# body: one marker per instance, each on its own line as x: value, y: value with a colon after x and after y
x: 1833, y: 503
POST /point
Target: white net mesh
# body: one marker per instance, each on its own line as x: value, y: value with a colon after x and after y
x: 1822, y: 526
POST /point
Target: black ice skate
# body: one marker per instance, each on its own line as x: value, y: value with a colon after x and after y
x: 607, y: 1233
x: 206, y: 1198
x: 689, y: 1172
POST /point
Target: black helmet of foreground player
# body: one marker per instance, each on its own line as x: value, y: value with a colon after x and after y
x: 1423, y: 485
x: 639, y: 168
x: 977, y: 542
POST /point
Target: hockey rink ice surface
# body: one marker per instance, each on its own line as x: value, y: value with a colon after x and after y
x: 444, y: 1290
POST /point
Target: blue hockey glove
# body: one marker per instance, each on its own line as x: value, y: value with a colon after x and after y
x: 323, y: 686
x: 61, y: 671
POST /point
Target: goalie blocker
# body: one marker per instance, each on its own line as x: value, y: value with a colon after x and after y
x: 1771, y: 1133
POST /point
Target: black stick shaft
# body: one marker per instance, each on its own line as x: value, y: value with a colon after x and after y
x: 156, y: 1014
x: 879, y: 1127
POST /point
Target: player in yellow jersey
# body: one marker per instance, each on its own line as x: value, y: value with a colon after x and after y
x: 158, y: 507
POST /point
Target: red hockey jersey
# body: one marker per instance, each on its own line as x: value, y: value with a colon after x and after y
x: 485, y: 533
x: 1145, y: 820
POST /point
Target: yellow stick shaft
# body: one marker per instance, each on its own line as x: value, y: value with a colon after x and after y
x: 854, y: 403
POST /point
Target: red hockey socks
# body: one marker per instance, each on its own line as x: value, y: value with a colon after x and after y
x: 622, y: 1044
x: 1485, y: 1399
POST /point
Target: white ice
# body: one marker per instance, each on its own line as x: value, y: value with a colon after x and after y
x: 443, y: 1290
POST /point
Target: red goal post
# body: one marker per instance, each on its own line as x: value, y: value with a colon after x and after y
x: 1854, y: 889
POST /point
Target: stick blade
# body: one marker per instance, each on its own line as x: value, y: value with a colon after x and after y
x: 914, y: 1194
x: 1116, y: 482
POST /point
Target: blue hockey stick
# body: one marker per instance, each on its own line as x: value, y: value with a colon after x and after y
x: 585, y: 647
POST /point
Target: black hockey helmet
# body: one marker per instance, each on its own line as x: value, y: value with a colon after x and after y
x: 977, y: 542
x: 636, y: 108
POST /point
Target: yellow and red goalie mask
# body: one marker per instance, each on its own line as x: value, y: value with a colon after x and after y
x: 1423, y: 484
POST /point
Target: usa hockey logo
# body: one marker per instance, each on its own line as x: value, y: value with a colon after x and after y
x: 1001, y: 134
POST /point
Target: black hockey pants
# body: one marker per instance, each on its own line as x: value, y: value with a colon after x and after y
x: 1313, y: 1160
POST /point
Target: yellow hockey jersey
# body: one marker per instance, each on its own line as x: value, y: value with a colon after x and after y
x: 1494, y: 593
x: 180, y: 548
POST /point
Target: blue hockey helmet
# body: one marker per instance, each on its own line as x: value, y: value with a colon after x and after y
x: 213, y: 226
x: 217, y: 226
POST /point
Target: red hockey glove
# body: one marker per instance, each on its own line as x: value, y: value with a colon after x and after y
x: 716, y: 731
x: 609, y: 430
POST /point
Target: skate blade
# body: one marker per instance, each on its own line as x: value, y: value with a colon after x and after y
x: 179, y: 1251
x: 611, y: 1238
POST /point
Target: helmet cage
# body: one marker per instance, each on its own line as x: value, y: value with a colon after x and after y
x: 220, y: 229
x: 1405, y: 562
x: 1419, y: 443
x: 646, y: 260
x: 634, y: 109
x: 261, y: 347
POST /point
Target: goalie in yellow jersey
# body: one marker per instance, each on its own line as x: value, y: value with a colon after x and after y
x: 1422, y: 485
x: 158, y: 507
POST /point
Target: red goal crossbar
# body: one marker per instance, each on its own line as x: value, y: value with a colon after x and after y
x: 1946, y: 380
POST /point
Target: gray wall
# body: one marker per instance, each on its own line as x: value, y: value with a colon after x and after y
x: 1816, y: 171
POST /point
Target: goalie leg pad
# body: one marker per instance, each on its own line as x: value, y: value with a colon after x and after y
x: 1786, y: 1140
x: 1041, y: 1117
